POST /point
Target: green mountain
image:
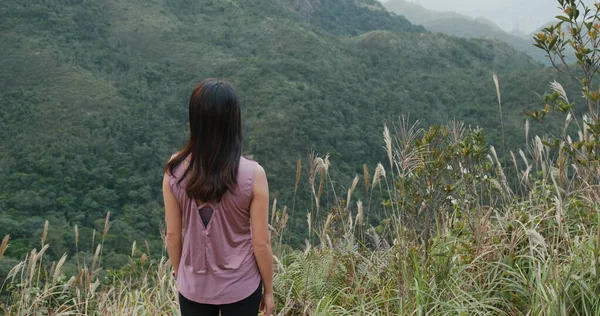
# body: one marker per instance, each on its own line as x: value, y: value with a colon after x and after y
x: 93, y: 100
x: 463, y: 26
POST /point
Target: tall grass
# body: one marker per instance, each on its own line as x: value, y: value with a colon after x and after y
x: 448, y: 235
x: 38, y: 287
x: 445, y: 231
x: 456, y: 238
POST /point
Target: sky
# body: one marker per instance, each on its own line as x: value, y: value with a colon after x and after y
x: 524, y: 15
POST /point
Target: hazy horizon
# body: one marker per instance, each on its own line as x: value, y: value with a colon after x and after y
x: 510, y: 15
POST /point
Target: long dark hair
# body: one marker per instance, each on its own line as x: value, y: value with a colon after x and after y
x: 215, y: 143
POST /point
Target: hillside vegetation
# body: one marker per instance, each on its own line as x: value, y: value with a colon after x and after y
x: 93, y: 101
x: 442, y: 217
x: 454, y: 238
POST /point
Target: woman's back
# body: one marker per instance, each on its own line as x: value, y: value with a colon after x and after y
x: 220, y: 252
x: 217, y: 260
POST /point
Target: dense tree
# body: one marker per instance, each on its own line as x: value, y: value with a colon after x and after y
x: 93, y: 99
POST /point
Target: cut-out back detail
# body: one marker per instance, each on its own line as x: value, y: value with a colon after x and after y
x: 206, y: 214
x: 217, y: 259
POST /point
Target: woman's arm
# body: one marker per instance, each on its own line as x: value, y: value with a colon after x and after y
x: 173, y: 220
x: 261, y: 240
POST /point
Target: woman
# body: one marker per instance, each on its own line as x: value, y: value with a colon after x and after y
x: 225, y: 257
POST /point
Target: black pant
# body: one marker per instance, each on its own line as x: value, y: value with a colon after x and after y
x: 246, y: 307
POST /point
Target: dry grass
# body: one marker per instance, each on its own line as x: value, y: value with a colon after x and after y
x: 449, y: 234
x: 531, y: 253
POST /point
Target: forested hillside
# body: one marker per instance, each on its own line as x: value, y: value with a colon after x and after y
x: 93, y: 99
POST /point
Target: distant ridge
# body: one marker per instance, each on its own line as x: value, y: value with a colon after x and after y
x: 456, y: 24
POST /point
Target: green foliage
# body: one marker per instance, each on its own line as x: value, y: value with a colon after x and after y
x: 448, y: 227
x: 351, y: 17
x: 581, y: 21
x: 579, y: 30
x: 495, y: 253
x: 443, y: 171
x: 93, y: 100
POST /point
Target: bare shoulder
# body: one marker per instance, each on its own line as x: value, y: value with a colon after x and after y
x: 260, y: 189
x: 260, y: 170
x: 260, y: 177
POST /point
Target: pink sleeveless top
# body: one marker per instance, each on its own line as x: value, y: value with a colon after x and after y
x: 217, y: 263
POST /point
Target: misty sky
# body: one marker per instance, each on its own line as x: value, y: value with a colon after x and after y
x: 526, y: 15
